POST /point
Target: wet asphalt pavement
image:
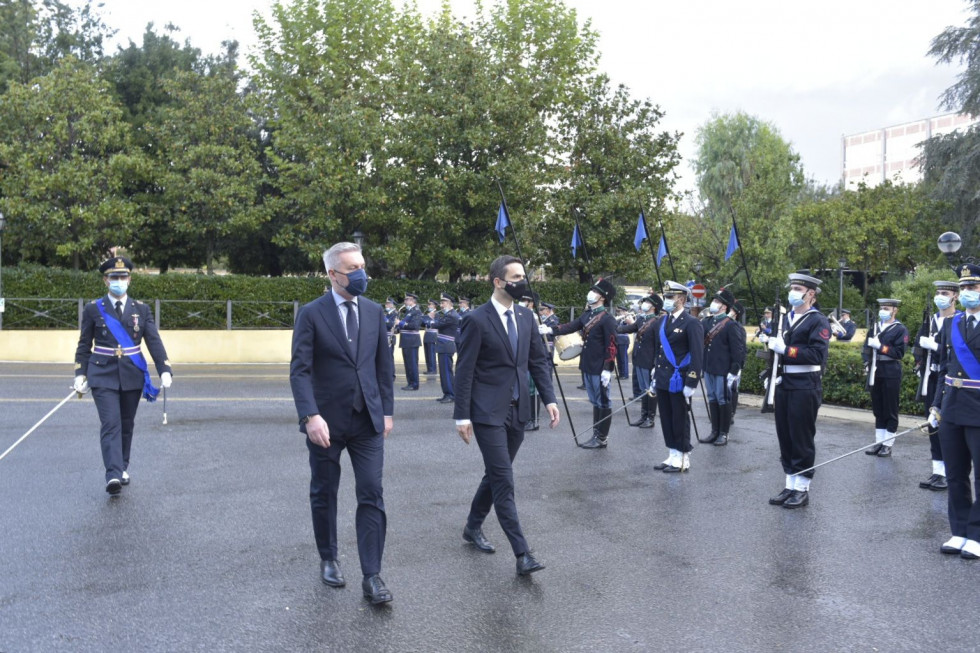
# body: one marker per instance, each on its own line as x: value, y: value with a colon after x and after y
x: 211, y: 547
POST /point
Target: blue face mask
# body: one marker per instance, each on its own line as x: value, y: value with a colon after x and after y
x: 942, y: 302
x: 669, y: 305
x: 970, y: 298
x: 118, y: 287
x: 884, y: 316
x: 357, y: 283
x: 795, y: 298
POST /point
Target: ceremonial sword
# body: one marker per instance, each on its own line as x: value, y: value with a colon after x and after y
x: 924, y: 426
x: 41, y: 421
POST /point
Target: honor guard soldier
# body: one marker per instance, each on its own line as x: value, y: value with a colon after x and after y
x: 622, y: 343
x: 391, y: 321
x: 598, y: 356
x: 446, y: 322
x: 645, y: 344
x: 410, y: 340
x: 883, y: 353
x: 847, y: 327
x: 737, y: 312
x: 956, y: 411
x: 115, y: 369
x: 927, y: 366
x: 676, y: 373
x: 431, y: 337
x: 724, y: 354
x: 802, y: 346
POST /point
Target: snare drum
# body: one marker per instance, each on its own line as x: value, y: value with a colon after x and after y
x: 569, y: 346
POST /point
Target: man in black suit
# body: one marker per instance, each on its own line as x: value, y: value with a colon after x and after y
x: 115, y: 368
x: 499, y: 345
x: 342, y: 378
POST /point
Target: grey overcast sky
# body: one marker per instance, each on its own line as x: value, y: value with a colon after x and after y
x: 816, y: 70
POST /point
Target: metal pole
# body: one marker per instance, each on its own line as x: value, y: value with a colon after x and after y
x: 745, y: 265
x: 840, y: 300
x: 663, y: 234
x: 653, y: 252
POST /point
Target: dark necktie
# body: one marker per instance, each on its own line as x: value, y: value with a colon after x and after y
x: 512, y: 336
x: 971, y: 324
x: 352, y: 326
x: 119, y: 310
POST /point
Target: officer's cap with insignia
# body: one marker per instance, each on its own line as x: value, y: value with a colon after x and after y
x: 804, y: 280
x: 606, y: 289
x: 726, y: 297
x: 951, y: 286
x: 768, y: 310
x: 547, y: 305
x: 390, y: 300
x: 657, y: 302
x: 412, y: 295
x: 117, y: 266
x: 672, y: 288
x: 969, y: 274
x: 447, y: 297
x: 433, y: 302
x: 464, y: 300
x: 845, y: 311
x: 885, y: 301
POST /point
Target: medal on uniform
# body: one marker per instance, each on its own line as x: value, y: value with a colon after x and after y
x: 136, y: 323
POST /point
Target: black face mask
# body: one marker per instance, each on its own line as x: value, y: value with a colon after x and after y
x: 516, y: 289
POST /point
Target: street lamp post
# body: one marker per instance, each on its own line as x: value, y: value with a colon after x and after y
x: 949, y: 243
x: 841, y: 264
x: 358, y: 237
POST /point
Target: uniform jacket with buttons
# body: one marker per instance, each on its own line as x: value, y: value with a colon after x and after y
x: 645, y: 342
x: 807, y: 343
x: 685, y: 335
x: 957, y: 405
x: 894, y: 342
x: 412, y: 321
x: 725, y: 354
x: 448, y: 325
x: 599, y: 347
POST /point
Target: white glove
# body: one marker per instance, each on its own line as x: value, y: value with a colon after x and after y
x: 544, y: 330
x: 732, y: 379
x: 777, y: 345
x: 604, y: 377
x: 874, y: 343
x: 934, y: 417
x: 688, y: 392
x: 927, y: 342
x: 81, y: 384
x: 763, y: 338
x: 166, y: 379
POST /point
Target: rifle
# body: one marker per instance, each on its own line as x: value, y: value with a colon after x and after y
x: 769, y: 399
x: 873, y: 368
x: 927, y: 361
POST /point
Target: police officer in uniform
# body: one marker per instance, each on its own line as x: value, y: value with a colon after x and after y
x: 409, y: 340
x: 645, y: 344
x: 676, y: 373
x: 724, y: 354
x: 446, y: 323
x: 802, y: 346
x: 431, y: 337
x: 956, y: 411
x: 391, y: 321
x: 848, y: 325
x: 884, y: 350
x: 598, y: 358
x: 927, y: 366
x: 115, y: 369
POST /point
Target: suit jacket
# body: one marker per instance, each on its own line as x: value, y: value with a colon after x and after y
x: 486, y: 367
x: 958, y: 405
x: 106, y: 371
x: 323, y: 372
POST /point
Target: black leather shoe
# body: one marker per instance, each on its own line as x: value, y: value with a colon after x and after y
x: 927, y: 484
x: 797, y: 499
x: 478, y: 540
x: 446, y: 399
x: 722, y: 440
x: 780, y: 498
x: 873, y: 451
x: 113, y: 486
x: 594, y: 443
x: 580, y: 387
x: 660, y: 467
x: 939, y: 485
x: 410, y: 388
x: 375, y: 590
x: 884, y: 452
x: 646, y: 423
x: 531, y: 426
x: 330, y: 573
x: 527, y: 565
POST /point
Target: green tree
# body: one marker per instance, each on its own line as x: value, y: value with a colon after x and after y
x: 66, y: 155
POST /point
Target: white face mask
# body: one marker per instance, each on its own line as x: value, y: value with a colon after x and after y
x: 669, y: 305
x: 592, y: 297
x: 715, y: 308
x: 646, y: 307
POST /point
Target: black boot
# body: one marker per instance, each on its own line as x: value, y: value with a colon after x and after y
x: 604, y: 427
x: 713, y: 415
x: 595, y: 443
x: 725, y: 423
x: 647, y: 421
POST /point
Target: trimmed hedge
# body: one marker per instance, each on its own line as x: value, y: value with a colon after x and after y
x: 844, y: 379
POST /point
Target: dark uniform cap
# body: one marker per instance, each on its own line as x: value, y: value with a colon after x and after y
x: 739, y: 309
x: 726, y: 297
x: 117, y: 265
x: 804, y: 280
x: 674, y: 288
x: 657, y: 302
x: 969, y: 274
x: 845, y: 310
x: 606, y: 289
x: 412, y: 295
x: 447, y: 297
x: 547, y: 305
x: 390, y: 300
x: 623, y: 307
x: 947, y: 285
x: 884, y: 301
x: 768, y: 309
x: 433, y: 302
x: 464, y: 299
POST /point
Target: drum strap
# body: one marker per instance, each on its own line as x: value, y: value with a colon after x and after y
x: 588, y: 327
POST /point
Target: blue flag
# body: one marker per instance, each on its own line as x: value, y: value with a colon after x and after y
x: 732, y: 243
x: 641, y: 232
x: 576, y: 240
x: 662, y: 250
x: 502, y: 222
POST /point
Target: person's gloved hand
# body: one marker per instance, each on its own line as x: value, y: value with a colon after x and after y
x: 604, y: 377
x: 777, y: 345
x: 545, y: 330
x: 763, y: 338
x: 81, y: 384
x: 688, y: 392
x: 166, y: 379
x: 928, y: 342
x: 732, y: 379
x: 874, y: 343
x: 934, y: 417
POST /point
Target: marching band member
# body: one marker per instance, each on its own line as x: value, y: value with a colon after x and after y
x: 724, y: 348
x: 644, y: 355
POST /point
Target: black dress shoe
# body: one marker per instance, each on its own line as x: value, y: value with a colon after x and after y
x: 722, y: 440
x: 580, y: 387
x: 660, y: 467
x: 797, y: 499
x: 884, y: 452
x: 873, y: 451
x: 330, y: 573
x: 113, y: 486
x: 670, y: 469
x: 939, y: 484
x: 478, y: 540
x: 780, y: 498
x: 410, y: 388
x: 927, y: 484
x: 527, y: 565
x: 375, y: 590
x: 532, y: 426
x: 446, y: 399
x: 646, y: 424
x: 595, y: 443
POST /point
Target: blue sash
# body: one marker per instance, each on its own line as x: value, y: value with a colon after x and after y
x: 966, y: 357
x: 122, y: 337
x: 676, y: 380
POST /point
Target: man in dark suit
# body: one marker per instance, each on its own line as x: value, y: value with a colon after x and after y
x: 115, y: 369
x: 342, y: 378
x: 499, y: 345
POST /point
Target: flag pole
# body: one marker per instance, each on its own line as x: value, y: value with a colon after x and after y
x: 745, y: 265
x: 670, y: 258
x: 551, y: 359
x: 585, y: 250
x: 653, y: 252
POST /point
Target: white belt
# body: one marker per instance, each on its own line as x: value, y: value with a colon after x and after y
x: 800, y: 369
x: 934, y: 368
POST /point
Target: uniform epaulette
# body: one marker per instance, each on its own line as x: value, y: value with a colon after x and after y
x: 138, y: 302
